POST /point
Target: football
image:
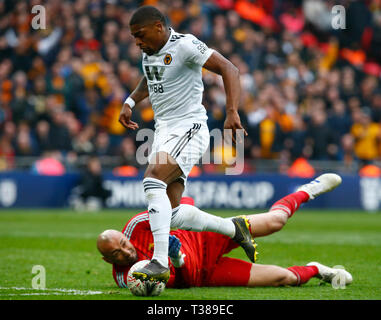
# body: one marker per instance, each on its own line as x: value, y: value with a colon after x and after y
x: 143, y: 288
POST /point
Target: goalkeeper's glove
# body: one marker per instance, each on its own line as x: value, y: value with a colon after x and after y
x: 174, y: 253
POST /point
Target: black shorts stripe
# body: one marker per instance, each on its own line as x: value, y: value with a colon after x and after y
x: 185, y: 140
x: 179, y: 145
x: 182, y: 139
x: 185, y: 144
x: 191, y: 135
x: 180, y: 142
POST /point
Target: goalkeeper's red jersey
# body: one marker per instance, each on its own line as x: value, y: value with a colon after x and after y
x: 202, y: 250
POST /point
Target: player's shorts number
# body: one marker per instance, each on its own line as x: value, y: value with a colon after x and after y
x: 156, y: 88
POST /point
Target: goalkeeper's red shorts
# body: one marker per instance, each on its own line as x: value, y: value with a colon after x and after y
x: 229, y: 272
x: 224, y: 271
x: 208, y: 267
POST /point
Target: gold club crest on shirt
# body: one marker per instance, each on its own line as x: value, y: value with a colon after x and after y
x: 167, y: 59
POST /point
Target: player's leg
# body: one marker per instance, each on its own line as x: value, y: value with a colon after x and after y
x: 274, y: 276
x: 227, y: 271
x: 187, y: 151
x: 189, y: 217
x: 161, y: 171
x: 264, y: 224
x: 175, y: 192
x: 235, y: 272
x: 269, y: 275
x: 174, y: 152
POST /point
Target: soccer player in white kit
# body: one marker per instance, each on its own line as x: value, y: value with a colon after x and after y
x: 172, y: 65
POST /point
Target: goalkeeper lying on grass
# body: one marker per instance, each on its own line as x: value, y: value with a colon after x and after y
x: 196, y: 258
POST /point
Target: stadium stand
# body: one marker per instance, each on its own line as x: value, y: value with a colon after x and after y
x: 308, y: 91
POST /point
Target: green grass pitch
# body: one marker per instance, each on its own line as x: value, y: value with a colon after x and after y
x: 64, y: 243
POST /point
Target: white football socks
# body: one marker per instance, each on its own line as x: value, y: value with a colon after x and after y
x: 188, y: 217
x: 159, y: 213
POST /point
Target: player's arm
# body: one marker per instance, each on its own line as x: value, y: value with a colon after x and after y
x: 230, y: 76
x: 139, y: 94
x: 217, y: 63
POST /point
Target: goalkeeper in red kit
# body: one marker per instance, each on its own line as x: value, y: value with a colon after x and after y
x: 196, y: 259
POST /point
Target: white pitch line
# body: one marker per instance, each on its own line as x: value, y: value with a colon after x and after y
x: 46, y: 294
x: 53, y: 291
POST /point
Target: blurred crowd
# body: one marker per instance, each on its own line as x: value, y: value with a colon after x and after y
x: 309, y: 91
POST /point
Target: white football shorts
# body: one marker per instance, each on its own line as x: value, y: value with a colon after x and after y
x: 185, y: 141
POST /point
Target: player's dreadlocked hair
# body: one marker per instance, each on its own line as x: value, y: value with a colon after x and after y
x: 147, y: 14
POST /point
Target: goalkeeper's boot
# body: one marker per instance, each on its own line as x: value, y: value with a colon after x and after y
x: 322, y: 184
x: 152, y: 271
x: 243, y: 237
x: 327, y: 274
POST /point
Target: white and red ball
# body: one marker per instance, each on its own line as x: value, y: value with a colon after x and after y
x: 146, y: 287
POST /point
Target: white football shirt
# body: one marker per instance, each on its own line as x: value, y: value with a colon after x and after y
x: 174, y: 79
